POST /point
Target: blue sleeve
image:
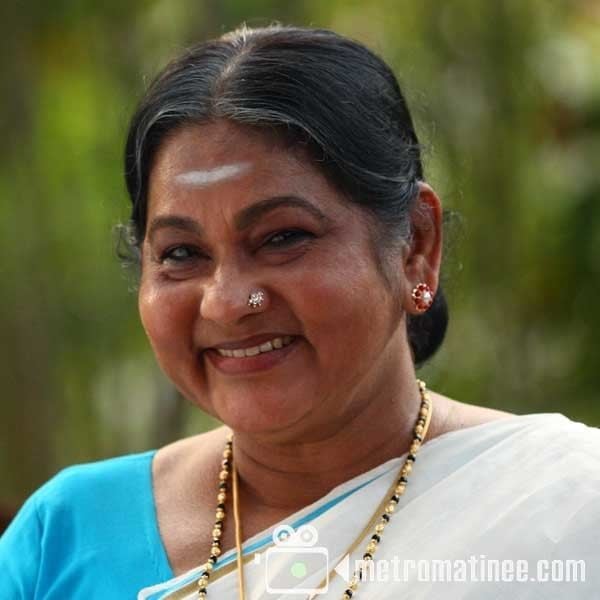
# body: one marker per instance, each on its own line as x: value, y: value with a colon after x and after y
x: 90, y: 532
x: 20, y: 550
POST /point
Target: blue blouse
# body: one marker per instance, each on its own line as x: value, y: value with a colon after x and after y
x: 89, y: 532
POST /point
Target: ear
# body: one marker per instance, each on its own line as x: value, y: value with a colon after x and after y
x: 423, y: 254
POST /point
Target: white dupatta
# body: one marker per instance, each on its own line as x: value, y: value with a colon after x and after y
x: 521, y: 490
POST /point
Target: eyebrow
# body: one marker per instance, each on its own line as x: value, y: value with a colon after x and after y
x: 244, y: 219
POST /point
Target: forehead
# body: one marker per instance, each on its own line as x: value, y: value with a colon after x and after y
x: 204, y: 156
x: 220, y: 169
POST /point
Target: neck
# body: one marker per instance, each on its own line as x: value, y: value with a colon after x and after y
x: 286, y: 475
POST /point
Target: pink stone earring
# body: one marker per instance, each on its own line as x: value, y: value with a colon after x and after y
x: 422, y: 297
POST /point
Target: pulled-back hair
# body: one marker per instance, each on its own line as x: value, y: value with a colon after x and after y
x: 312, y: 87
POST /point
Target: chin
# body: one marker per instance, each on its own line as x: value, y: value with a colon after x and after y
x: 262, y: 416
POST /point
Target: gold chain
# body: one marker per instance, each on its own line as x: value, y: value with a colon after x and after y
x: 377, y: 523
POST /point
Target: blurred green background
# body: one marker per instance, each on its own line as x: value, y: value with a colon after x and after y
x: 506, y: 96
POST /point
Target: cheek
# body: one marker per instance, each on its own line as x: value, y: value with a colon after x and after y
x: 346, y: 305
x: 166, y: 317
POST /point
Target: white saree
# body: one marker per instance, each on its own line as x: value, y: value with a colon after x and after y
x: 507, y: 509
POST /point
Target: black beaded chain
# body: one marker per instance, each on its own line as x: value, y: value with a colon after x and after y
x: 386, y: 508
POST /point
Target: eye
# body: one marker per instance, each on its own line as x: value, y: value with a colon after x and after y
x: 287, y: 237
x: 178, y: 254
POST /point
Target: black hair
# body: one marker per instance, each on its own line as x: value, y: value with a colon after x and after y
x: 311, y: 87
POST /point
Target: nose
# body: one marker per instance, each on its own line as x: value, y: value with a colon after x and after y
x: 226, y: 298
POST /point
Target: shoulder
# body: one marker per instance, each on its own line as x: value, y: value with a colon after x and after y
x: 548, y: 449
x: 450, y: 415
x: 562, y: 441
x: 92, y: 503
x: 542, y: 464
x: 541, y: 435
x: 94, y: 499
x: 550, y: 432
x: 77, y: 523
x: 555, y: 433
x: 100, y: 481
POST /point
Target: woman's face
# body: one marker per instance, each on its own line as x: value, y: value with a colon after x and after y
x: 230, y: 212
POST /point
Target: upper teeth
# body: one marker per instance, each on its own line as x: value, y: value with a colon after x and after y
x: 275, y: 343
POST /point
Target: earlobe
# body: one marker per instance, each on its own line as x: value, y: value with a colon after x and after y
x: 422, y: 297
x: 423, y: 259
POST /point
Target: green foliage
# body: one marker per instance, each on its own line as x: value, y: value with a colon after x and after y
x: 507, y: 100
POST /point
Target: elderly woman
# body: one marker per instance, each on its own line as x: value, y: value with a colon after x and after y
x: 290, y: 254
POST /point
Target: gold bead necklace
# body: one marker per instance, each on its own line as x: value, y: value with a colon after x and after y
x: 377, y: 523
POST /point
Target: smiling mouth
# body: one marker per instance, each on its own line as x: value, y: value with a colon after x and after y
x: 253, y: 359
x: 268, y: 346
